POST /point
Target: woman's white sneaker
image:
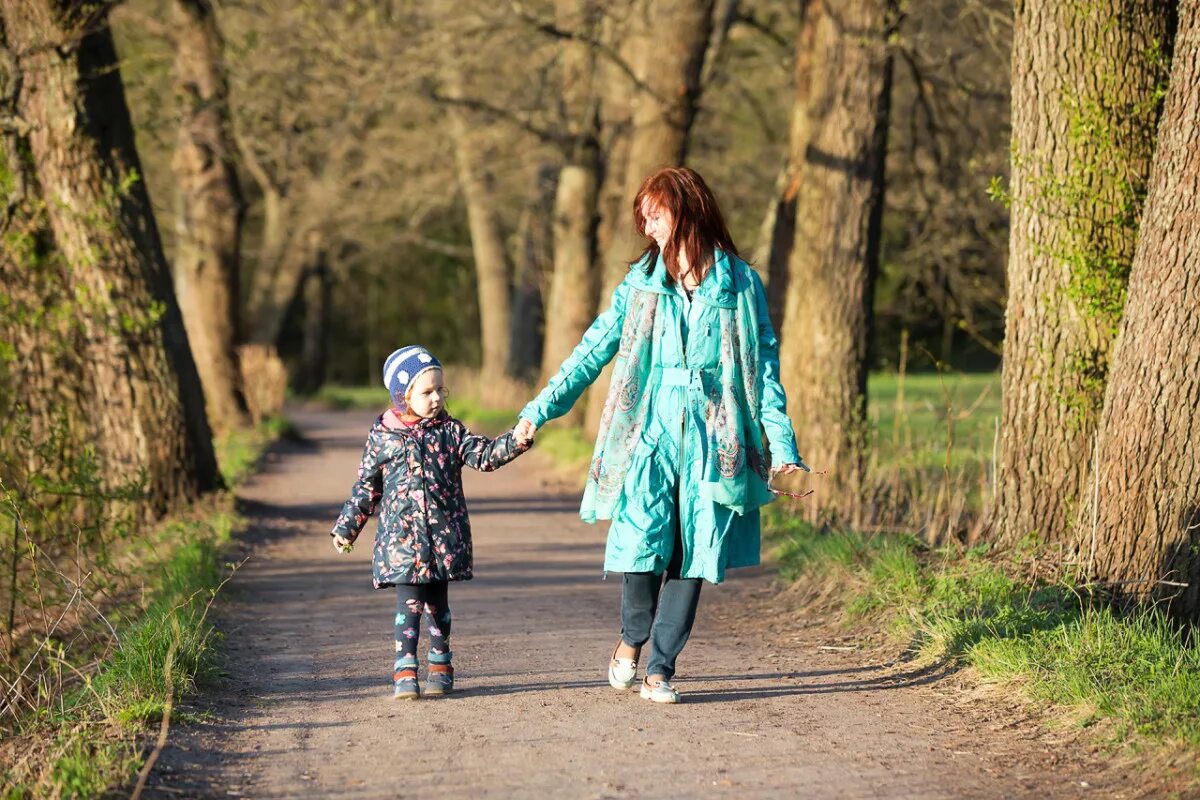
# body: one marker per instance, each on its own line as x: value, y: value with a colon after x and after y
x: 622, y: 672
x: 661, y: 692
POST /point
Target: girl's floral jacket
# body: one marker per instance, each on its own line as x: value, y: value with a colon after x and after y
x: 424, y: 534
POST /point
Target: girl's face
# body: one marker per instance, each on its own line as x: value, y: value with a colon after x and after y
x: 657, y: 223
x: 427, y: 395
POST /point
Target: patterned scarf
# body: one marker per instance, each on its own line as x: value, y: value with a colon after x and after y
x: 735, y: 473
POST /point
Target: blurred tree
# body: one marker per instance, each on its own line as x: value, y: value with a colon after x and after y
x: 1141, y: 526
x: 148, y: 416
x: 209, y: 218
x: 669, y: 40
x: 839, y: 206
x: 574, y: 283
x: 1087, y: 81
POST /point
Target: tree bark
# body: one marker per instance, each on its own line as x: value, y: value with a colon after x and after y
x: 670, y: 39
x: 839, y: 206
x: 779, y: 223
x: 1145, y: 527
x: 493, y: 270
x: 208, y: 225
x: 1085, y: 82
x: 314, y: 350
x: 150, y: 417
x: 571, y: 300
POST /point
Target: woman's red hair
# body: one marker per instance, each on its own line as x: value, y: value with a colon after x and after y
x: 697, y: 226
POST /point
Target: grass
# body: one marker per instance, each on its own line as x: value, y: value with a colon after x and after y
x: 1138, y: 670
x: 89, y: 740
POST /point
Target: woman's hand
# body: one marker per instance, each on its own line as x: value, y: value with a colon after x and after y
x: 524, y: 432
x: 788, y: 469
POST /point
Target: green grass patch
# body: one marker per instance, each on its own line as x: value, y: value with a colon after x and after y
x: 238, y: 451
x: 90, y: 741
x: 1138, y: 669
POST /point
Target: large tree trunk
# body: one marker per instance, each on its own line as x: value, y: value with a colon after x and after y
x: 210, y: 213
x: 1084, y: 103
x: 671, y: 38
x: 1144, y: 533
x: 779, y: 223
x: 574, y: 284
x: 839, y: 205
x: 149, y: 416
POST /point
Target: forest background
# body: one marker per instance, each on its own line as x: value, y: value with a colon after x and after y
x: 212, y: 204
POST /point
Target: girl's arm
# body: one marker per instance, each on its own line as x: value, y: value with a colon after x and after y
x: 772, y: 399
x: 365, y: 494
x: 484, y: 454
x: 596, y: 349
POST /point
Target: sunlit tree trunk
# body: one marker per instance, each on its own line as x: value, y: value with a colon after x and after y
x: 669, y: 40
x: 779, y: 224
x: 1085, y: 83
x: 148, y: 415
x: 571, y: 300
x: 1141, y: 529
x: 839, y: 206
x: 208, y: 225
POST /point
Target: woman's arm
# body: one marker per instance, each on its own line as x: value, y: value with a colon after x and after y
x: 364, y: 496
x: 772, y: 399
x: 599, y: 345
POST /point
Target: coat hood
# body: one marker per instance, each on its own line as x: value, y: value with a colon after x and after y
x: 719, y: 287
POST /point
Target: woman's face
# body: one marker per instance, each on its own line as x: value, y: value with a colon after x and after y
x: 657, y: 223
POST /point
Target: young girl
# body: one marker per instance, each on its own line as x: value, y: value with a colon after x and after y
x: 413, y: 463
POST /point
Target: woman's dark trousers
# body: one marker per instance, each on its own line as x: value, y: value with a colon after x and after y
x: 660, y: 609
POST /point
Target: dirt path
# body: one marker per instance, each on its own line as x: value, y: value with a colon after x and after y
x: 306, y: 709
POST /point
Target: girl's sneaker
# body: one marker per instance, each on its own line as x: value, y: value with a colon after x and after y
x: 661, y: 692
x: 440, y: 679
x: 406, y: 684
x: 622, y: 672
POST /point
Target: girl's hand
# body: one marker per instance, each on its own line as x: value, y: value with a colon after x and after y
x: 524, y: 431
x: 342, y: 544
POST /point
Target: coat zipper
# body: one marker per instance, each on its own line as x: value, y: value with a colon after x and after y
x: 683, y: 464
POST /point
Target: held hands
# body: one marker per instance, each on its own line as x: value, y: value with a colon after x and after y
x: 524, y: 432
x: 342, y: 544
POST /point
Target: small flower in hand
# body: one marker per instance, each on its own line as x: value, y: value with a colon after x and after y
x: 342, y: 544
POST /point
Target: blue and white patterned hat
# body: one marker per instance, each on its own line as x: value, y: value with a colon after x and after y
x: 402, y: 368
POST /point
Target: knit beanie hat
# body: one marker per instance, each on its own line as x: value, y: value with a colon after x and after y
x: 402, y: 368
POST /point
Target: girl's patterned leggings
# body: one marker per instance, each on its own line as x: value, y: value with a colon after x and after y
x: 411, y: 601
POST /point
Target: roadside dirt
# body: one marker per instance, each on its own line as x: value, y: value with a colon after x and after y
x: 778, y: 702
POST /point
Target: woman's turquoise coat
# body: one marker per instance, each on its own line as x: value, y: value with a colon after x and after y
x: 665, y: 479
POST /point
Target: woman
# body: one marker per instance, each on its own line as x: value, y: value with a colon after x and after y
x: 679, y: 466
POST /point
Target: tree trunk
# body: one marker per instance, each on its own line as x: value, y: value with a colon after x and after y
x: 291, y: 223
x: 314, y: 350
x: 493, y: 271
x: 533, y: 265
x: 150, y: 416
x: 1085, y: 81
x: 210, y: 213
x: 779, y: 224
x: 571, y: 300
x: 671, y: 38
x: 839, y: 206
x: 1145, y: 528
